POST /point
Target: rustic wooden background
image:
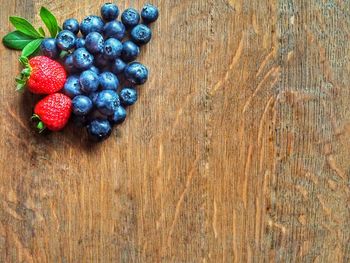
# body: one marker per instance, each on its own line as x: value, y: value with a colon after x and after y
x: 237, y: 151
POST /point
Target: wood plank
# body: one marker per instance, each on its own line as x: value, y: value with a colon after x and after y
x: 237, y: 150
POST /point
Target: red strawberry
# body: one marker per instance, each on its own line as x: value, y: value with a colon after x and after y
x: 42, y: 75
x: 53, y: 112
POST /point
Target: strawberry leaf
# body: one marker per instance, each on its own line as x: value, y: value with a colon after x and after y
x: 20, y: 87
x: 16, y: 40
x: 31, y: 47
x: 49, y: 20
x: 24, y: 26
x: 20, y: 81
x: 24, y: 60
x: 40, y: 126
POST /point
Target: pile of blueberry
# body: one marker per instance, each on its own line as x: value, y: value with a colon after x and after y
x: 99, y: 60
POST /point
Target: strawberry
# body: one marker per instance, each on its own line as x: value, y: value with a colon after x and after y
x: 53, y: 112
x: 42, y: 75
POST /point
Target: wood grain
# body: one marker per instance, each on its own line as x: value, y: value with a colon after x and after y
x: 237, y: 151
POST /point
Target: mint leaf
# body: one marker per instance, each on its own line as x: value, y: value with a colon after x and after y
x: 49, y: 20
x: 41, y: 31
x: 24, y: 26
x: 31, y: 47
x: 16, y: 40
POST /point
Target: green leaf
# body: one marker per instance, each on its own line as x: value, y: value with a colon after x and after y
x: 37, y: 52
x: 49, y: 20
x: 24, y: 26
x: 20, y: 87
x: 41, y: 31
x: 24, y: 60
x: 26, y: 72
x: 63, y: 54
x: 31, y: 47
x: 20, y: 81
x: 35, y: 117
x: 40, y: 126
x: 16, y: 40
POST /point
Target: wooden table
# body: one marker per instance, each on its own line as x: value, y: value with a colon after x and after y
x: 237, y: 150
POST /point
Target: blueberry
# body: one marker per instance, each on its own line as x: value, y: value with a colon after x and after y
x: 89, y: 81
x: 81, y: 105
x: 112, y: 48
x: 65, y: 40
x: 149, y: 13
x: 118, y: 66
x: 99, y: 130
x: 72, y: 25
x: 80, y: 42
x: 108, y: 81
x: 107, y: 102
x: 94, y: 42
x: 130, y: 17
x: 136, y: 73
x: 128, y: 96
x: 118, y: 116
x: 72, y: 86
x: 101, y: 61
x: 48, y: 48
x: 69, y: 65
x: 130, y: 51
x: 109, y: 11
x: 141, y: 34
x: 114, y: 29
x: 91, y: 24
x: 94, y: 69
x: 82, y: 59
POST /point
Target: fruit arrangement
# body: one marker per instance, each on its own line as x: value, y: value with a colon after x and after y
x: 87, y: 72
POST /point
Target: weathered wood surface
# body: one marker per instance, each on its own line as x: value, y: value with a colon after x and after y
x: 237, y: 151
